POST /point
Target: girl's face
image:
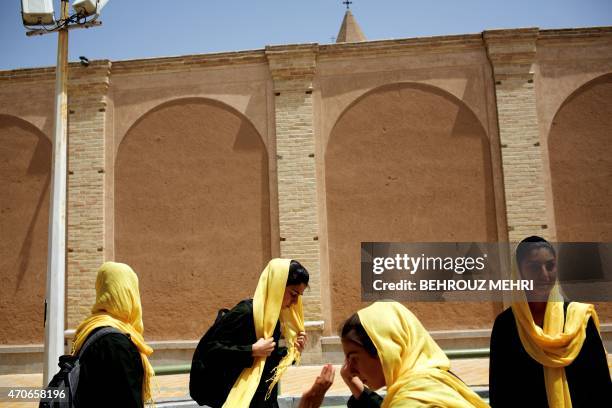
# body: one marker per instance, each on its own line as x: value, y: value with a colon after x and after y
x: 292, y: 294
x: 540, y: 265
x: 364, y: 365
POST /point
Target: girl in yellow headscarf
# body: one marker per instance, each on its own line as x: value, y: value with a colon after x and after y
x: 386, y: 345
x: 115, y: 369
x: 246, y: 343
x: 546, y: 352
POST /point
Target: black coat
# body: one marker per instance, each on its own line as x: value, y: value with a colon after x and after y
x: 367, y: 399
x: 515, y: 379
x: 231, y: 350
x: 111, y: 373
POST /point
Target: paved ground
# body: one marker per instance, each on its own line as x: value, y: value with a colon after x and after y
x: 474, y: 372
x: 295, y: 381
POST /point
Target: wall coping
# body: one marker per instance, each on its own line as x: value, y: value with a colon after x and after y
x: 444, y: 43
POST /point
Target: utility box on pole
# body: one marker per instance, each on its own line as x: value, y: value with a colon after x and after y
x: 88, y: 8
x: 37, y: 12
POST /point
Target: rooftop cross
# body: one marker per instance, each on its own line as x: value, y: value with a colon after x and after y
x: 349, y: 30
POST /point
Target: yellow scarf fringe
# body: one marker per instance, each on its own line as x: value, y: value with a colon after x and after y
x: 558, y: 343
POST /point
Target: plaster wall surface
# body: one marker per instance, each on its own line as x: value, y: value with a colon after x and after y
x: 573, y: 98
x: 241, y: 87
x: 580, y: 149
x: 462, y: 72
x: 30, y: 98
x: 26, y: 126
x: 25, y: 167
x: 192, y: 213
x: 407, y: 163
x: 562, y: 69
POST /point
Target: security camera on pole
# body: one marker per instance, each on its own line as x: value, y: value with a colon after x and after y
x: 39, y: 18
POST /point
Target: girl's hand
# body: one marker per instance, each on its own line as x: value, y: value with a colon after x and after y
x: 300, y: 342
x: 352, y: 381
x: 313, y: 397
x: 263, y: 347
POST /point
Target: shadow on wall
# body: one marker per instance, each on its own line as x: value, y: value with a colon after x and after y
x: 244, y: 142
x: 25, y: 163
x: 407, y: 163
x: 192, y: 212
x: 580, y: 150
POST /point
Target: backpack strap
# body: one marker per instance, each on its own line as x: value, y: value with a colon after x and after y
x: 100, y: 333
x: 220, y: 314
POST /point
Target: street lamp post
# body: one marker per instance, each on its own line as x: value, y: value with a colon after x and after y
x: 56, y: 260
x: 40, y: 13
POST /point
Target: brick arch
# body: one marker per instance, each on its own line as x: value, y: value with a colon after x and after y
x: 192, y: 212
x: 407, y: 163
x: 25, y: 166
x: 580, y: 152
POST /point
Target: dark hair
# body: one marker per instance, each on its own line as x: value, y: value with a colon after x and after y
x: 352, y: 330
x: 297, y: 274
x: 529, y: 244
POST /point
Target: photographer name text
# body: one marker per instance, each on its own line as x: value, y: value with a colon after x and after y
x: 454, y: 285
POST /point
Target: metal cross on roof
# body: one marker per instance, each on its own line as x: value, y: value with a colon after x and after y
x: 348, y: 3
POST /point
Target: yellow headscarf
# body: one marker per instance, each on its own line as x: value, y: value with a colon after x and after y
x: 267, y: 304
x: 118, y: 305
x: 415, y: 368
x: 557, y: 344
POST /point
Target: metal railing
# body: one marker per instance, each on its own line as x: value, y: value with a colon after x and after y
x: 172, y: 369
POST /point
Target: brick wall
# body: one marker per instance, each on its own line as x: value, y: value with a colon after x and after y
x: 292, y: 70
x: 512, y: 55
x: 86, y: 177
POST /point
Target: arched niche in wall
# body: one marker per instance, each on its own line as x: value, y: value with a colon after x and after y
x: 407, y: 163
x: 192, y: 212
x: 580, y: 151
x: 25, y: 166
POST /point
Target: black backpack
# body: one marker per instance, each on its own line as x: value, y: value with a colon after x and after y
x: 204, y: 375
x: 64, y: 384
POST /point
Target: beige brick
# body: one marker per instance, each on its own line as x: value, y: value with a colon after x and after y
x: 512, y: 54
x: 87, y: 125
x: 292, y: 69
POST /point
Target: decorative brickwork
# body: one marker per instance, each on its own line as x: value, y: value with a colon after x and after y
x: 86, y: 166
x: 512, y: 55
x: 293, y: 68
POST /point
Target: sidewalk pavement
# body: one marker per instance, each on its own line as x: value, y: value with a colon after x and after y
x: 474, y: 372
x: 295, y: 381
